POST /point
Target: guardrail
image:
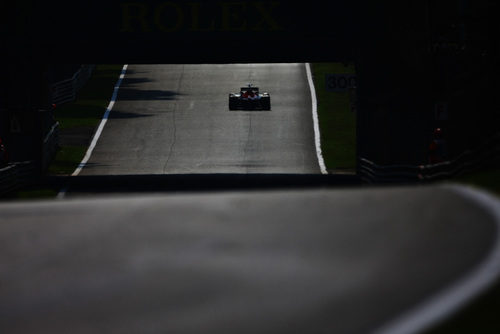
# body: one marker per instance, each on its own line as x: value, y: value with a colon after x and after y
x: 16, y: 175
x: 370, y: 172
x: 7, y: 179
x: 487, y: 153
x: 65, y: 90
x: 20, y: 174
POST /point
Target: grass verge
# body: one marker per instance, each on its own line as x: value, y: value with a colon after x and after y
x: 336, y: 120
x: 79, y: 119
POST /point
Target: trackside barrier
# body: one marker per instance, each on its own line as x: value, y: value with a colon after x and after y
x: 370, y: 172
x: 488, y: 153
x: 16, y: 175
x: 19, y: 174
x: 7, y: 179
x: 65, y: 90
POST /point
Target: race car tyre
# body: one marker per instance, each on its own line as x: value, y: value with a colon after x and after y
x: 232, y: 104
x: 266, y: 103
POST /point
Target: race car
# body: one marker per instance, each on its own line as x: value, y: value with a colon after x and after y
x: 249, y: 98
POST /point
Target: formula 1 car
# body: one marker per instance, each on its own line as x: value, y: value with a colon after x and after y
x: 249, y: 98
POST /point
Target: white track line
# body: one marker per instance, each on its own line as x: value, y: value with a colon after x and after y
x: 98, y: 132
x: 317, y: 136
x: 453, y: 298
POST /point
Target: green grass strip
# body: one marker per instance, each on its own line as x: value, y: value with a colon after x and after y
x: 336, y: 120
x: 67, y: 159
x: 80, y: 118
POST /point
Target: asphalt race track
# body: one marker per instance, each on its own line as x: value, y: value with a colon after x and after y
x: 175, y: 119
x: 307, y: 261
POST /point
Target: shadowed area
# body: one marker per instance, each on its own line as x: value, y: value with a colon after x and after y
x: 295, y: 261
x: 197, y: 182
x: 145, y: 95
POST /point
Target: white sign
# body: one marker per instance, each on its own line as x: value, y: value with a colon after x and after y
x: 340, y: 82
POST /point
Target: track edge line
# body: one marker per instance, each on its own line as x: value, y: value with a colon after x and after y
x: 317, y: 136
x: 62, y: 193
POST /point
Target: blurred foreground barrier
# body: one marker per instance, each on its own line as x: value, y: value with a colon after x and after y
x: 484, y: 155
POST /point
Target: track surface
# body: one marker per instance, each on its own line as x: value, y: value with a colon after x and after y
x: 255, y: 262
x: 174, y: 119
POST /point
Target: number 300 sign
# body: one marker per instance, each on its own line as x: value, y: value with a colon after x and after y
x: 340, y: 82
